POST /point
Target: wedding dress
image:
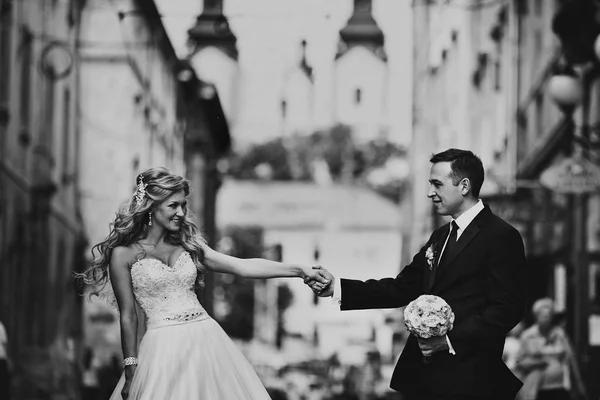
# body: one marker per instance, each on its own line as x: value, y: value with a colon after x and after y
x: 184, y: 354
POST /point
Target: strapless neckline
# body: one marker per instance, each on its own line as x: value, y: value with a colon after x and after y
x: 139, y: 261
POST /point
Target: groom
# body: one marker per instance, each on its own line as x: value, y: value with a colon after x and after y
x: 477, y: 264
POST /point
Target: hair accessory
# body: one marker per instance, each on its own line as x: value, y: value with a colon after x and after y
x: 141, y: 190
x: 130, y: 361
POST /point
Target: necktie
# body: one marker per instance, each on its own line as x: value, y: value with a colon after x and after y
x: 451, y: 241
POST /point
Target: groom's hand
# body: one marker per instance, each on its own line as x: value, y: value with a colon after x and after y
x: 433, y: 344
x: 317, y: 288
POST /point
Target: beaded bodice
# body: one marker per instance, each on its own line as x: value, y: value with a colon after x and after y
x: 166, y: 293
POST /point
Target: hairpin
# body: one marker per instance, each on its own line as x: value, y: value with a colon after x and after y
x: 141, y: 191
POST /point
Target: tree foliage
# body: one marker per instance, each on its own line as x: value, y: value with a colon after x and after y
x: 374, y: 164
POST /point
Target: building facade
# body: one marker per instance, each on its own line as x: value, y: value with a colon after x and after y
x: 41, y: 230
x: 128, y: 109
x: 477, y: 68
x: 481, y: 81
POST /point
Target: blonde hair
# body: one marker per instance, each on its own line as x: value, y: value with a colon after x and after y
x: 131, y: 225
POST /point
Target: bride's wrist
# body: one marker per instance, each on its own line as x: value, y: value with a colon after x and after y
x: 130, y: 371
x: 303, y: 272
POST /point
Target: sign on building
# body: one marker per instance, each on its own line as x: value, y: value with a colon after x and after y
x: 573, y: 175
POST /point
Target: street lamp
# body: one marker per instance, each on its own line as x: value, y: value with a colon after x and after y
x: 577, y: 177
x: 577, y: 27
x: 569, y: 89
x: 575, y: 174
x: 566, y: 90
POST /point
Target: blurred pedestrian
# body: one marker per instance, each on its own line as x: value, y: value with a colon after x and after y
x: 546, y: 360
x: 476, y: 263
x: 153, y: 256
x: 5, y: 364
x: 512, y: 347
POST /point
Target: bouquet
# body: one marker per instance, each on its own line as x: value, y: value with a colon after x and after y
x: 428, y: 316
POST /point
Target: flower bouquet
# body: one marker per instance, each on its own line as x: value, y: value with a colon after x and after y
x: 428, y: 316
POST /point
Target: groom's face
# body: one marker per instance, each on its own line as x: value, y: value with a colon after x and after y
x: 446, y: 197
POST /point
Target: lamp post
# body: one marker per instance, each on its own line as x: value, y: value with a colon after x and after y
x: 576, y: 24
x: 577, y: 177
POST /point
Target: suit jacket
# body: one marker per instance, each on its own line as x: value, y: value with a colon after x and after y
x: 482, y: 280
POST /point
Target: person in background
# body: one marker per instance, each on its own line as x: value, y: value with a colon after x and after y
x: 5, y: 365
x: 512, y: 347
x: 546, y: 360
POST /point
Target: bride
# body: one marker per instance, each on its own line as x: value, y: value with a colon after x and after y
x: 154, y: 256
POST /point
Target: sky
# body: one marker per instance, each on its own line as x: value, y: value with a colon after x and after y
x: 269, y: 33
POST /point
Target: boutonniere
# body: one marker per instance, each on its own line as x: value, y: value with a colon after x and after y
x: 430, y: 255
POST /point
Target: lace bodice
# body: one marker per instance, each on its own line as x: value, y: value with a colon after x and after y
x: 166, y: 293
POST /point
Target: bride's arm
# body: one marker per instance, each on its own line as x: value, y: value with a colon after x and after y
x: 258, y: 268
x: 121, y: 281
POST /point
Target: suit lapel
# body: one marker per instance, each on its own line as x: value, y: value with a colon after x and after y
x: 465, y: 238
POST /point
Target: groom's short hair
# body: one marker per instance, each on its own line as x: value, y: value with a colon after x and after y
x: 464, y: 164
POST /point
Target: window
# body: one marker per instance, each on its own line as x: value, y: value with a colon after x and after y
x: 283, y: 108
x: 498, y: 73
x: 538, y: 52
x: 538, y: 7
x: 66, y: 139
x: 47, y: 134
x: 5, y: 38
x: 5, y: 60
x: 357, y: 96
x: 539, y: 115
x: 25, y: 50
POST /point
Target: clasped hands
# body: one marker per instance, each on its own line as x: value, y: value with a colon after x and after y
x: 322, y: 284
x: 320, y: 281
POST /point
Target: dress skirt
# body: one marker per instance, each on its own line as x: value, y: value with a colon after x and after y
x: 193, y: 360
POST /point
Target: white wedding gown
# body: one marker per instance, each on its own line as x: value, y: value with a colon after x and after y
x: 184, y: 354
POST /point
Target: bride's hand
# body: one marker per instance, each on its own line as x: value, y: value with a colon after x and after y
x: 129, y: 373
x: 125, y: 390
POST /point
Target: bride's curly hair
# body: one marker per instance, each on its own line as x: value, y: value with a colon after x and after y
x: 131, y: 225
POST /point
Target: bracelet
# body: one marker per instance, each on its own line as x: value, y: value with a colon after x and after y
x: 130, y: 361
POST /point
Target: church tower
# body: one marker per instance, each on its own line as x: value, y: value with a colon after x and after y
x: 297, y: 97
x: 361, y: 76
x: 296, y: 106
x: 213, y: 54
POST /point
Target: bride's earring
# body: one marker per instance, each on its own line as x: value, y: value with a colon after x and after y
x: 150, y: 219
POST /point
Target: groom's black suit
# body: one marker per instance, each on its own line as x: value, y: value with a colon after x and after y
x: 482, y: 280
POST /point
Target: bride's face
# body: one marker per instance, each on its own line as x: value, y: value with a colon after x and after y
x: 170, y: 213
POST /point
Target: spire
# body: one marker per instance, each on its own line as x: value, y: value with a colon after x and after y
x: 362, y: 30
x: 304, y: 63
x: 212, y: 29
